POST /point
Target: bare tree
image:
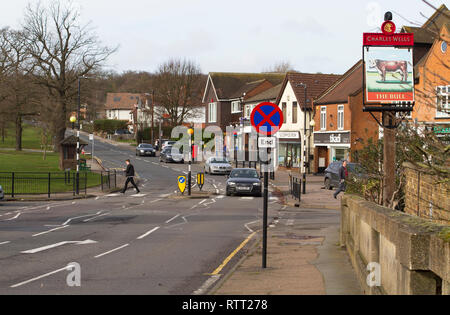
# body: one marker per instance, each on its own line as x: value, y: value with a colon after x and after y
x: 280, y: 67
x: 63, y: 50
x: 177, y: 86
x: 18, y: 91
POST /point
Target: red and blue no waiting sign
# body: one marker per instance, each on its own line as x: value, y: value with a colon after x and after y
x: 267, y: 118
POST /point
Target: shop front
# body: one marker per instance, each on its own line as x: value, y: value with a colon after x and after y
x: 290, y: 149
x: 330, y: 147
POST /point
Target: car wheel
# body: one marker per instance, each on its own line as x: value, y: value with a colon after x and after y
x: 328, y: 184
x: 228, y: 193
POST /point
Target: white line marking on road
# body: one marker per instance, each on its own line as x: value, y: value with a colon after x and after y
x: 13, y: 218
x: 290, y: 222
x: 112, y: 195
x: 164, y: 195
x: 45, y: 232
x: 220, y: 197
x: 156, y: 200
x: 202, y: 201
x: 112, y: 251
x: 170, y: 220
x: 40, y: 277
x: 96, y: 217
x: 139, y: 195
x: 3, y: 243
x: 247, y: 198
x: 81, y: 216
x: 43, y: 248
x: 247, y: 224
x: 148, y: 233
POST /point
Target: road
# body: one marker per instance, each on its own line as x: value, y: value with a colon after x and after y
x: 147, y: 243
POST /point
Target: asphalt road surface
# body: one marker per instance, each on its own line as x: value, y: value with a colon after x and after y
x: 147, y: 243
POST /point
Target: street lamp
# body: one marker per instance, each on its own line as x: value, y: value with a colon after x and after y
x: 190, y: 132
x: 73, y: 119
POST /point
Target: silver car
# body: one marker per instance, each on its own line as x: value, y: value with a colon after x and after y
x: 2, y: 194
x: 217, y: 165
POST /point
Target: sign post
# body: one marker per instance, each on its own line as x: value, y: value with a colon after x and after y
x: 388, y: 88
x: 267, y: 119
x: 181, y: 184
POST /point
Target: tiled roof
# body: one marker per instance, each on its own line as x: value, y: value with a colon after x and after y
x: 316, y: 84
x: 230, y: 85
x: 348, y: 84
x: 122, y: 100
x: 270, y: 94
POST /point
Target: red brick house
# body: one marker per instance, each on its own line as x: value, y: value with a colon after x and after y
x: 341, y: 126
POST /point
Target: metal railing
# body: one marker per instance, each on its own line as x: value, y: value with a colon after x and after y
x: 295, y: 187
x: 50, y: 183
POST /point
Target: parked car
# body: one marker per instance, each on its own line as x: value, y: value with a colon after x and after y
x: 167, y: 143
x: 2, y: 194
x: 331, y: 178
x: 145, y: 149
x: 217, y: 165
x: 244, y: 181
x: 122, y: 132
x: 171, y: 154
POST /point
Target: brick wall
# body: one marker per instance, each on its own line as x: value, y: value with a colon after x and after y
x: 425, y: 196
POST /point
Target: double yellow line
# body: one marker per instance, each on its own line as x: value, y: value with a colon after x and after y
x: 227, y: 260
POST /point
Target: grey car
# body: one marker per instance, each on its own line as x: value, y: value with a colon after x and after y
x: 145, y: 149
x: 244, y: 181
x: 2, y: 194
x: 217, y: 165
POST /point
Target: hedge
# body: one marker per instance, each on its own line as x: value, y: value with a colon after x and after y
x: 110, y: 125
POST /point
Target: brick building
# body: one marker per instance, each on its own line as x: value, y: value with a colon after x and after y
x: 341, y: 126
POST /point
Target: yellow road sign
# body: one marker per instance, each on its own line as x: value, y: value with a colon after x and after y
x: 182, y: 183
x: 200, y: 180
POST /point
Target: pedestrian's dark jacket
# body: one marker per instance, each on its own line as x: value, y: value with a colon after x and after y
x: 129, y: 172
x: 342, y: 173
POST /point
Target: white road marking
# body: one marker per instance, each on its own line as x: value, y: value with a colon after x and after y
x: 43, y: 248
x: 13, y: 218
x: 202, y: 201
x: 112, y: 251
x: 247, y: 224
x: 93, y: 218
x: 156, y: 200
x: 164, y: 195
x: 112, y: 195
x: 148, y: 233
x: 139, y: 195
x: 45, y: 232
x: 220, y: 197
x: 40, y: 277
x: 81, y: 216
x: 247, y: 198
x: 3, y: 243
x: 170, y: 220
x: 290, y: 222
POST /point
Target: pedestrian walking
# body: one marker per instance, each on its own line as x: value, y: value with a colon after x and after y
x: 343, y: 174
x: 129, y: 173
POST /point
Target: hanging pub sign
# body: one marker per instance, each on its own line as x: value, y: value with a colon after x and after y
x: 388, y: 69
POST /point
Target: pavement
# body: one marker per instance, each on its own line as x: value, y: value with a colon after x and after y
x: 303, y: 252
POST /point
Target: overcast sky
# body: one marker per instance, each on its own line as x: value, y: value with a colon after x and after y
x: 236, y: 35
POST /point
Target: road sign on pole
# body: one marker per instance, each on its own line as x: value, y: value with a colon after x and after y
x: 182, y: 183
x: 267, y: 119
x: 267, y: 142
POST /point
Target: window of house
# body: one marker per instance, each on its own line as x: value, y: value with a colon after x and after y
x: 323, y: 118
x: 212, y: 112
x: 340, y: 122
x: 248, y: 111
x: 294, y: 112
x: 284, y: 110
x: 442, y: 101
x: 235, y: 107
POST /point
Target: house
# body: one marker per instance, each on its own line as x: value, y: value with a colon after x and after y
x: 297, y: 92
x: 432, y: 84
x: 226, y: 92
x: 341, y: 127
x: 425, y: 36
x: 120, y: 105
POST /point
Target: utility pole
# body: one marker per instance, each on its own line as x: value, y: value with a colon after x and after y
x: 304, y: 139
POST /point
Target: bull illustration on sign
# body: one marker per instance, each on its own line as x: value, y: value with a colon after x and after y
x: 384, y: 66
